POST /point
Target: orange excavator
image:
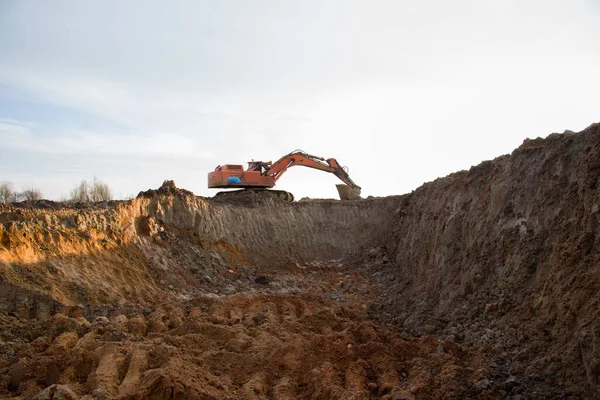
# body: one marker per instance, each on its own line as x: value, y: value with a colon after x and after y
x: 263, y: 175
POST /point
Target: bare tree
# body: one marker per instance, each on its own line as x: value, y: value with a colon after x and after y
x: 80, y: 193
x: 96, y: 191
x: 7, y: 194
x: 31, y: 193
x: 100, y: 191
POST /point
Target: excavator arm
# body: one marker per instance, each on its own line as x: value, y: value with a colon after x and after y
x: 348, y: 191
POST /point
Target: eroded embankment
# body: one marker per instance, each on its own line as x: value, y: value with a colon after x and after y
x: 169, y: 244
x: 507, y: 256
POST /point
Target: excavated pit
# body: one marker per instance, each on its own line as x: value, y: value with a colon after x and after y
x: 483, y: 284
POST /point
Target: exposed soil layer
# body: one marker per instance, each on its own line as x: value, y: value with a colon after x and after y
x: 483, y: 284
x: 507, y: 254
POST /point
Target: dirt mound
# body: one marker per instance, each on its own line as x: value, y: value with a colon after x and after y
x: 167, y: 188
x: 247, y: 197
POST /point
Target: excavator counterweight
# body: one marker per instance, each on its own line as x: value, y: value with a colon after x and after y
x: 264, y: 175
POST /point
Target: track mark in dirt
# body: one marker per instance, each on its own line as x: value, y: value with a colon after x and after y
x: 245, y: 346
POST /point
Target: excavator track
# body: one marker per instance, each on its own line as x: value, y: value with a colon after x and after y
x: 280, y: 194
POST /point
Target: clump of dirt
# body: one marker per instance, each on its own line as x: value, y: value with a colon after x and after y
x: 168, y: 187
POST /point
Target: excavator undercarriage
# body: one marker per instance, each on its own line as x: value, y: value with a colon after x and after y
x: 280, y: 194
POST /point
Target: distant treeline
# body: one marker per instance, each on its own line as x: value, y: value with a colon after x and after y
x: 83, y: 192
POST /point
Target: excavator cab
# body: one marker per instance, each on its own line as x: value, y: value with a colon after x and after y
x: 260, y: 166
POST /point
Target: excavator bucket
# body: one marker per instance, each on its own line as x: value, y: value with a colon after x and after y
x: 347, y: 193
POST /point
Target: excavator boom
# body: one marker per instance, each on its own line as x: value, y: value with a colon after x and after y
x: 264, y: 174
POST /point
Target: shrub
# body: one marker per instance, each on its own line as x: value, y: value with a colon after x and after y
x: 100, y: 191
x: 31, y: 193
x: 7, y: 194
x: 80, y: 193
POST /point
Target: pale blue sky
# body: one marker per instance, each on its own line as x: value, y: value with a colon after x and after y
x: 402, y: 92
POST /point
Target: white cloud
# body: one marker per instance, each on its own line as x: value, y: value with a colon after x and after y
x: 9, y: 128
x: 16, y: 135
